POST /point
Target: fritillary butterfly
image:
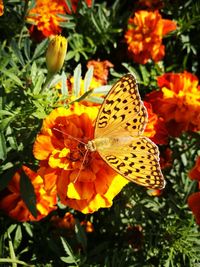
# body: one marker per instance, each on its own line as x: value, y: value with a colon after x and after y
x: 119, y: 138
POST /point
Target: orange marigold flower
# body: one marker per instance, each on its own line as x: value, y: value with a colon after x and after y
x: 155, y: 128
x: 15, y: 207
x: 178, y: 102
x: 194, y: 173
x: 84, y: 182
x: 194, y: 205
x: 101, y: 70
x: 46, y: 17
x: 144, y: 36
x: 1, y: 7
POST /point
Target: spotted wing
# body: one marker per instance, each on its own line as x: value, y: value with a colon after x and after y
x: 137, y: 162
x: 122, y: 110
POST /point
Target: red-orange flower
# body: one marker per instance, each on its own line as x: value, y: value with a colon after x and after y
x: 155, y: 128
x: 15, y: 207
x: 1, y: 7
x: 84, y: 182
x: 45, y: 16
x: 101, y: 70
x: 178, y: 102
x: 194, y: 173
x: 194, y: 205
x: 144, y: 35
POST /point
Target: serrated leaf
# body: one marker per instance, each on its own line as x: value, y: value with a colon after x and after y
x: 68, y: 250
x: 28, y: 194
x: 17, y: 52
x: 40, y: 49
x: 67, y: 259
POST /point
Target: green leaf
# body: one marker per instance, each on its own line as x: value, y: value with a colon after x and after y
x: 28, y: 194
x: 145, y: 74
x: 18, y: 237
x: 88, y: 78
x: 27, y: 49
x: 3, y: 148
x: 17, y: 52
x: 40, y: 49
x: 77, y: 80
x: 80, y: 235
x: 64, y: 88
x: 70, y: 55
x: 12, y: 76
x: 68, y: 251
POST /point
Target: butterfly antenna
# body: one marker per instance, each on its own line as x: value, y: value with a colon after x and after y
x: 81, y: 167
x: 72, y: 137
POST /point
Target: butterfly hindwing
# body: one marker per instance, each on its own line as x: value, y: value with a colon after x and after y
x: 138, y: 162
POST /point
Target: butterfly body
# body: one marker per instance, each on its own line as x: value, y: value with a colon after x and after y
x: 119, y: 138
x: 109, y: 143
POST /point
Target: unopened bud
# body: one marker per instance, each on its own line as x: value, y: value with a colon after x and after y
x: 55, y: 55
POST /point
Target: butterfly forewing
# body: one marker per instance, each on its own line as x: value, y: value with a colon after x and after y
x: 121, y: 121
x: 122, y: 109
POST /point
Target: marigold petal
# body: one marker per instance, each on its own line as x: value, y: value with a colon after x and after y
x: 42, y: 147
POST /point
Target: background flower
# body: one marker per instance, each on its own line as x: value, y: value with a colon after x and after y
x: 177, y: 102
x: 12, y: 203
x: 144, y: 36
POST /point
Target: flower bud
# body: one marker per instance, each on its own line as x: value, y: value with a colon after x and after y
x: 56, y: 54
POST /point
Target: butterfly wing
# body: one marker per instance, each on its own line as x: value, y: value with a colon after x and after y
x: 122, y: 110
x: 137, y: 162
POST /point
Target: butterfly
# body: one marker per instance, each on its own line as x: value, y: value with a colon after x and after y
x: 119, y: 139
